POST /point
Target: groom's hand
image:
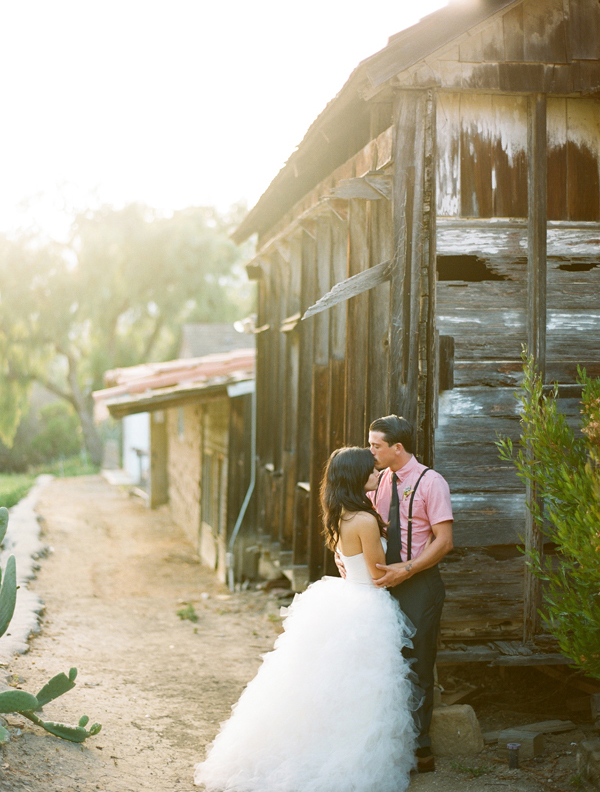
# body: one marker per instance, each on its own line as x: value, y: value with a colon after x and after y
x: 340, y: 565
x: 394, y: 574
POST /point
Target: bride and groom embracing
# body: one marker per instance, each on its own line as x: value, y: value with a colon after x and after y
x: 344, y: 701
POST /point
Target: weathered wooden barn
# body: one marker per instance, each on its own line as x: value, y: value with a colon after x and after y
x: 441, y: 212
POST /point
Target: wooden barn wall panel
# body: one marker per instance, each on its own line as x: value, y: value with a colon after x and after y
x: 584, y: 29
x: 488, y: 519
x: 448, y: 159
x: 493, y: 171
x: 465, y: 439
x: 583, y: 137
x: 484, y: 597
x: 476, y: 198
x: 512, y: 31
x: 502, y: 243
x: 509, y: 159
x: 557, y: 159
x: 574, y: 288
x: 545, y: 31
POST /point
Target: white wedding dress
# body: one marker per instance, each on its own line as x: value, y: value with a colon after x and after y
x: 330, y: 709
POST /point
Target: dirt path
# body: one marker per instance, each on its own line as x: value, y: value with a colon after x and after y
x: 159, y: 685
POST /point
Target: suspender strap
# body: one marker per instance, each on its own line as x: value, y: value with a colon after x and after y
x: 410, y: 517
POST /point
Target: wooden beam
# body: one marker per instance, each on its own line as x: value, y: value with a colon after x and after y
x: 319, y: 431
x: 159, y: 445
x: 357, y: 284
x: 414, y: 246
x: 356, y: 337
x: 536, y: 327
x: 371, y: 187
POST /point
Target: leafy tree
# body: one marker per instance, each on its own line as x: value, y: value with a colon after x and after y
x: 47, y: 432
x: 564, y: 467
x: 115, y: 295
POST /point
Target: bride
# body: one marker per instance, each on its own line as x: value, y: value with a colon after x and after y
x: 330, y: 709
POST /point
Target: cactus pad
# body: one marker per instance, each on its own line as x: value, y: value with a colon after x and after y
x: 8, y: 594
x: 17, y: 701
x: 3, y: 522
x: 54, y: 688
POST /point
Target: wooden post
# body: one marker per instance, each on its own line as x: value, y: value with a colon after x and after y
x: 412, y: 319
x: 303, y: 418
x: 337, y: 336
x: 159, y: 444
x: 379, y: 316
x: 536, y: 321
x: 290, y: 403
x: 356, y: 335
x: 319, y: 430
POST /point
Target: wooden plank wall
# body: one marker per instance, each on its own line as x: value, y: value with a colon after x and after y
x: 482, y: 304
x: 547, y: 46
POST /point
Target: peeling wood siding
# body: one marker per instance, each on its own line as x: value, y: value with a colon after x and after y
x: 573, y: 159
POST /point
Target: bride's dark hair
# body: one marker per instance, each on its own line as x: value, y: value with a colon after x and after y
x: 343, y: 487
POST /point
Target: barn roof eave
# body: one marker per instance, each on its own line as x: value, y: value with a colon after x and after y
x: 402, y: 51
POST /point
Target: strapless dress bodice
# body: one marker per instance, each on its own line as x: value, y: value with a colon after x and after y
x: 357, y: 570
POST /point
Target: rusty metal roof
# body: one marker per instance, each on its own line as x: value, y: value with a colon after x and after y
x: 157, y: 385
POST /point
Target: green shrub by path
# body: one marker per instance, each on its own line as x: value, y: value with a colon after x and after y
x: 73, y: 466
x: 563, y: 466
x: 13, y: 487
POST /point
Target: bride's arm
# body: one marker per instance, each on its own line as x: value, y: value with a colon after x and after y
x: 370, y: 539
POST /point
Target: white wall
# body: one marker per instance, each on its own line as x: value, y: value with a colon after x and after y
x: 136, y: 434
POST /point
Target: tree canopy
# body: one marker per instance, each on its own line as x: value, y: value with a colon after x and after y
x: 115, y: 295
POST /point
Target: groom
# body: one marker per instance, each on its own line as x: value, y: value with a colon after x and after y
x: 407, y: 490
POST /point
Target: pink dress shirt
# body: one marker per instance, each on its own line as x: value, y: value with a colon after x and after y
x: 431, y: 505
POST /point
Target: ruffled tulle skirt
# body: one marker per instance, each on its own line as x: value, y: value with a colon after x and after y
x: 330, y: 709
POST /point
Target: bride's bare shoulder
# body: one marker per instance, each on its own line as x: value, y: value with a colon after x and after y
x: 358, y: 521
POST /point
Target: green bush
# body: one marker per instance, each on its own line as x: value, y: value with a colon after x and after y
x: 59, y: 432
x: 564, y: 467
x: 13, y: 487
x: 48, y: 432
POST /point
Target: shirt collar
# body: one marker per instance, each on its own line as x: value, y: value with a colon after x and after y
x: 407, y: 469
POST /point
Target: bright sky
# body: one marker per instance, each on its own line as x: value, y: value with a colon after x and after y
x: 173, y: 103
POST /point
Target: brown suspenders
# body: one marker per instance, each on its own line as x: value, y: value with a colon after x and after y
x: 410, y: 519
x: 410, y: 513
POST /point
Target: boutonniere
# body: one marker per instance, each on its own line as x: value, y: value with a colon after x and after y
x: 407, y: 493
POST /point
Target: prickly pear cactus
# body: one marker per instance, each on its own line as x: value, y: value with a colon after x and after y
x: 20, y: 701
x: 8, y: 588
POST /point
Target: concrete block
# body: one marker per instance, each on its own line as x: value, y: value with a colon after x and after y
x: 588, y: 761
x: 532, y: 743
x: 455, y: 731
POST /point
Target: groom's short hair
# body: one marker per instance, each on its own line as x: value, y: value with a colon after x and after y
x: 394, y: 429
